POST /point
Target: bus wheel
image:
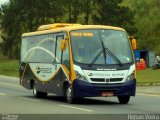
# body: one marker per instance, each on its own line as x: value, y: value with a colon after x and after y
x: 69, y: 95
x: 38, y: 94
x: 123, y: 99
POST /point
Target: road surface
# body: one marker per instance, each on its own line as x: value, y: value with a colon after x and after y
x: 15, y: 99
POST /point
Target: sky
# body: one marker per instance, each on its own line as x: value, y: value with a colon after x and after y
x: 3, y: 1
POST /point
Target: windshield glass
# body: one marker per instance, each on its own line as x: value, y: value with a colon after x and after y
x: 87, y: 47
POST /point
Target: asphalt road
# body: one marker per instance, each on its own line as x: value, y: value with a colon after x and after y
x: 15, y: 99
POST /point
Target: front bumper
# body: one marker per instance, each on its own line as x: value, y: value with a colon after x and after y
x: 85, y: 89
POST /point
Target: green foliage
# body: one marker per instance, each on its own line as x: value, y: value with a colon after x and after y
x: 110, y: 12
x: 11, y: 30
x: 9, y: 67
x: 19, y: 16
x: 147, y: 21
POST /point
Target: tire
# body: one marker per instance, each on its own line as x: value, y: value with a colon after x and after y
x: 69, y: 95
x: 38, y: 94
x: 123, y: 99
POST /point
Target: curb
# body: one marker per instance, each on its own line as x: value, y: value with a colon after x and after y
x: 9, y: 77
x: 148, y: 84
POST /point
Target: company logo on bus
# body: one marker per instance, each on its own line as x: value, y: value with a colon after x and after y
x: 90, y: 74
x: 107, y: 80
x: 38, y: 69
x: 98, y: 74
x: 106, y: 69
x: 43, y: 69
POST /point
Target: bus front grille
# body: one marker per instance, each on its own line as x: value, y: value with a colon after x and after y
x: 106, y: 80
x: 116, y: 79
x: 98, y: 79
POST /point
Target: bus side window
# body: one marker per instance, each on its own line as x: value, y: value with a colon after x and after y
x: 65, y: 58
x: 58, y: 52
x: 49, y: 46
x: 24, y: 49
x: 31, y: 44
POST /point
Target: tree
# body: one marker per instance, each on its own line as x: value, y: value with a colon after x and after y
x: 20, y: 16
x: 10, y: 29
x: 110, y: 12
x: 147, y: 21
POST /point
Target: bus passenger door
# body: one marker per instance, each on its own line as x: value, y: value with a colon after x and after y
x: 65, y: 61
x: 63, y: 56
x: 61, y: 66
x: 58, y: 51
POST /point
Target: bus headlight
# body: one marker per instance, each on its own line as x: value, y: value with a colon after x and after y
x: 130, y: 77
x: 80, y: 76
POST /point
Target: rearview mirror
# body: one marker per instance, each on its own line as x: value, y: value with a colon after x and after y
x: 133, y: 42
x: 63, y: 44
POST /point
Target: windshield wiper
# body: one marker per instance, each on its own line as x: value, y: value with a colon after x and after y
x: 104, y: 51
x: 97, y: 56
x: 109, y: 52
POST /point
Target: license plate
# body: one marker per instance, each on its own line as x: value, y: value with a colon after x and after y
x: 107, y: 94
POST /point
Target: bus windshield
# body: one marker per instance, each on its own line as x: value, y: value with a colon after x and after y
x: 101, y: 46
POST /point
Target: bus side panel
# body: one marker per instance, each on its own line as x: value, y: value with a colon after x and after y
x: 26, y: 75
x: 54, y: 85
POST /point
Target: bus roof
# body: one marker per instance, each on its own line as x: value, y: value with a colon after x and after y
x: 59, y: 27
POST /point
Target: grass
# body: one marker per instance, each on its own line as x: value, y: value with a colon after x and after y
x: 148, y: 76
x: 10, y: 68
